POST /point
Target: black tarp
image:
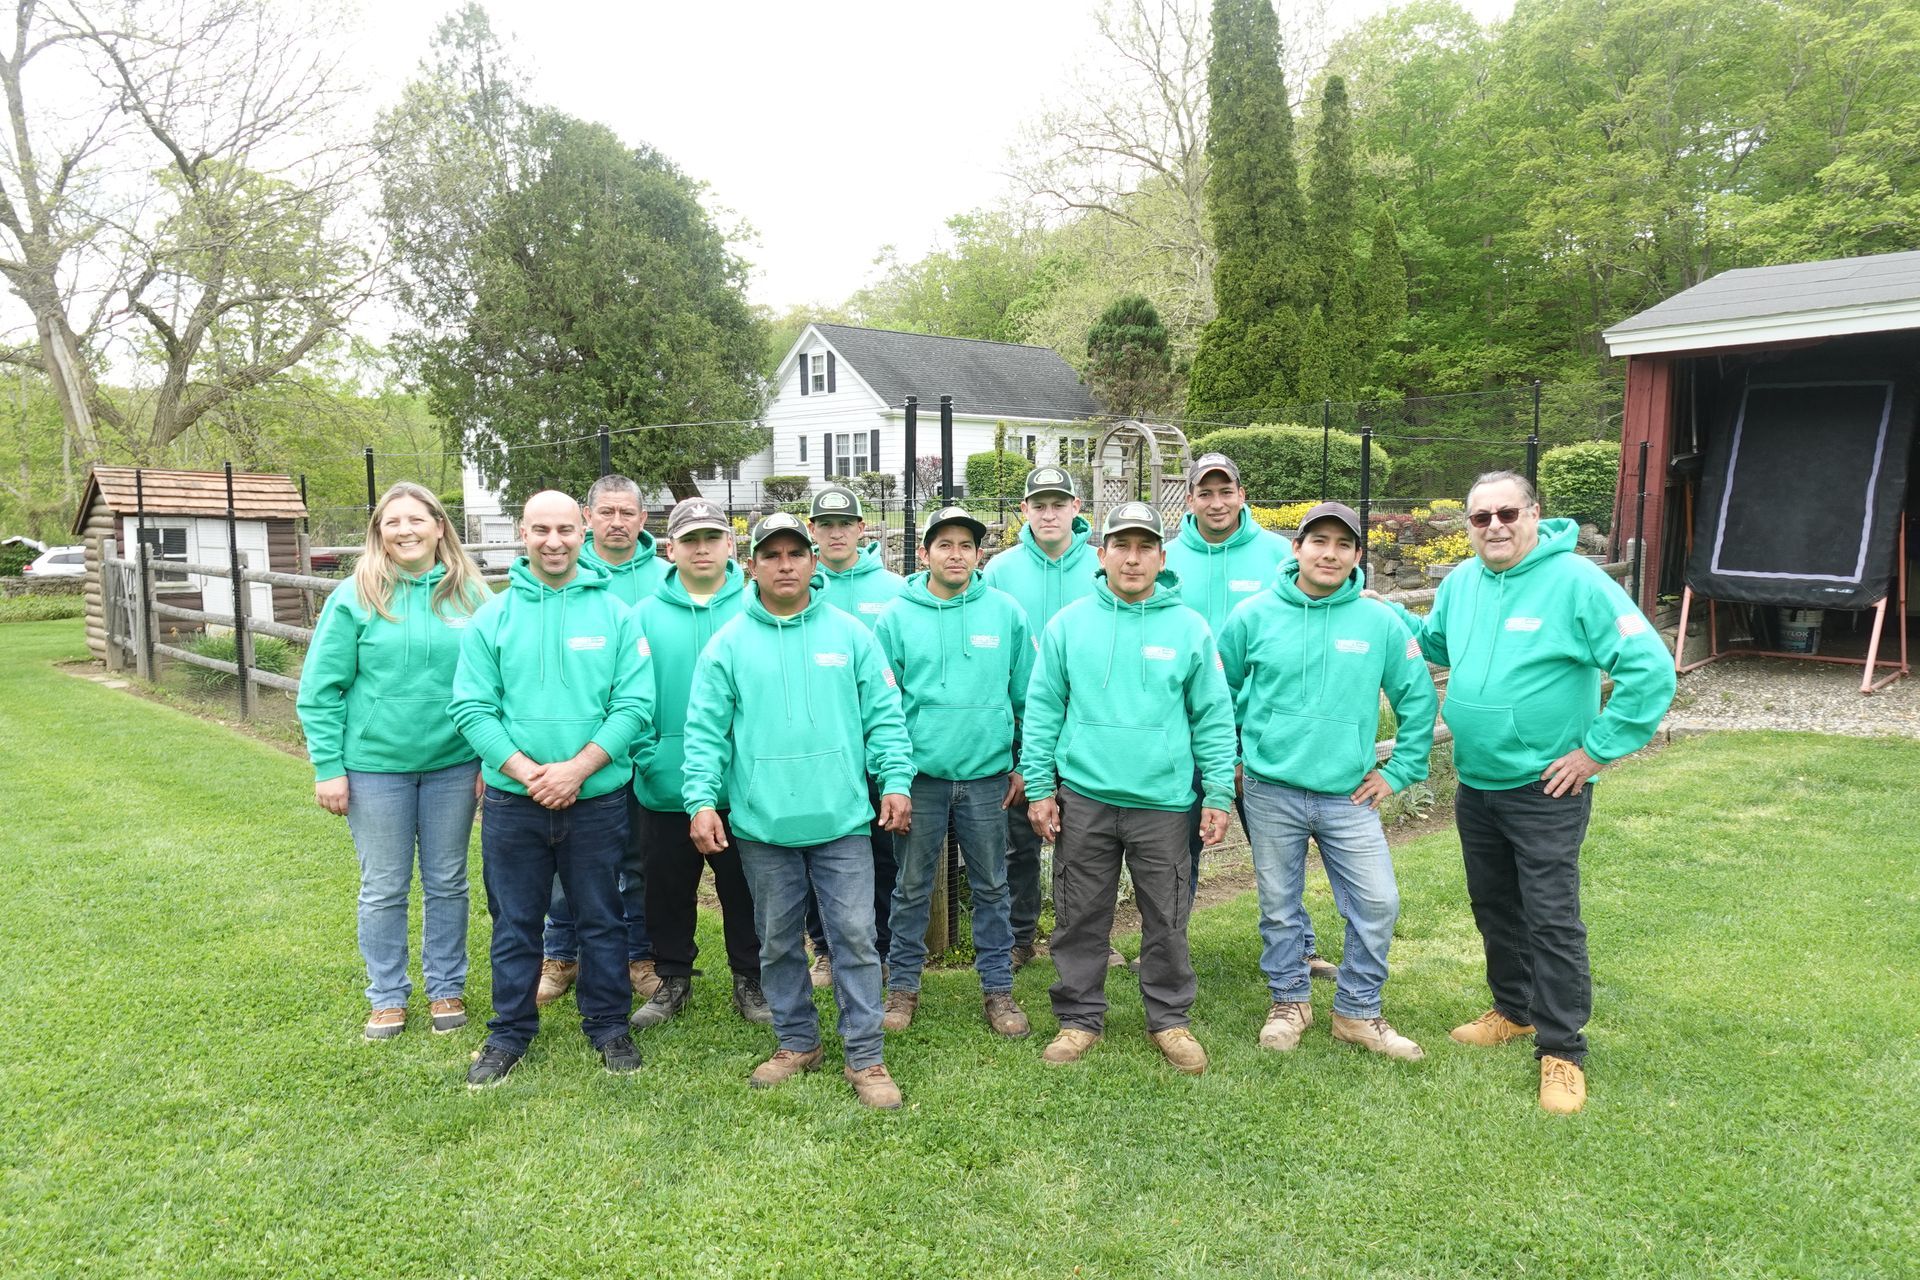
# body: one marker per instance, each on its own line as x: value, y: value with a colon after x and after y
x: 1806, y: 477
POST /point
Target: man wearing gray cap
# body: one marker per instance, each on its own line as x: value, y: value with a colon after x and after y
x: 1048, y: 568
x: 1116, y: 721
x: 1307, y: 660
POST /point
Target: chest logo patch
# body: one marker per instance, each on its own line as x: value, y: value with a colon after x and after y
x: 873, y: 606
x: 1523, y: 624
x: 1352, y: 646
x: 1243, y: 585
x: 458, y: 622
x: 830, y: 659
x: 984, y: 642
x: 1156, y: 652
x: 586, y: 642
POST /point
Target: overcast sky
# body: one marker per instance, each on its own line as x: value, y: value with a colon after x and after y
x: 834, y: 128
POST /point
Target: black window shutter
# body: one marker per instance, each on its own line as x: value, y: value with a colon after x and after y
x: 873, y: 454
x: 830, y: 363
x: 806, y: 372
x: 803, y: 448
x: 826, y: 454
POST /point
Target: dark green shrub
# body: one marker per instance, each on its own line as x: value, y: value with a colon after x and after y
x: 785, y: 488
x: 1577, y: 481
x: 1282, y: 463
x: 996, y: 475
x: 876, y: 486
x: 14, y: 557
x: 270, y: 653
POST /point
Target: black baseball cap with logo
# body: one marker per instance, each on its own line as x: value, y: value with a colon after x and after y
x: 1340, y: 511
x: 779, y: 522
x: 690, y: 514
x: 1134, y: 515
x: 953, y: 515
x: 837, y: 500
x: 1050, y: 480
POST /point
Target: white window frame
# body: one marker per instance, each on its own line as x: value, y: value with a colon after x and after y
x: 817, y: 373
x: 849, y: 448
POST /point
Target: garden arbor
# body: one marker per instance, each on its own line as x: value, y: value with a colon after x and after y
x: 1141, y: 461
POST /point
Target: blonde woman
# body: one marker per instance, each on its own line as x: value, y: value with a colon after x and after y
x: 373, y: 700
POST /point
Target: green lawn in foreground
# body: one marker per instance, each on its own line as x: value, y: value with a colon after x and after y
x: 183, y: 1090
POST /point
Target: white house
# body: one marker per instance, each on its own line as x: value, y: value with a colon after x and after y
x: 839, y: 408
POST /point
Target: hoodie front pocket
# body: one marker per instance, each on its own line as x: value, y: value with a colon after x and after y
x: 402, y: 731
x: 1314, y: 753
x: 548, y: 741
x: 806, y: 799
x: 1096, y: 753
x: 962, y: 731
x: 1487, y: 741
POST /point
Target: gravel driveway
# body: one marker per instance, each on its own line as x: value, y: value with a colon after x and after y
x: 1773, y: 693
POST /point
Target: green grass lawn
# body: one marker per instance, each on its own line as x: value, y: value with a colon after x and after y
x: 183, y: 1089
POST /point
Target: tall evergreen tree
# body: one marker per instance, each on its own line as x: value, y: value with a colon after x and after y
x: 1129, y: 365
x: 1331, y: 200
x: 1383, y: 295
x: 1261, y: 285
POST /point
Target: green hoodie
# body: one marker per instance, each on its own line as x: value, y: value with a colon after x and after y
x: 678, y: 630
x: 547, y: 670
x: 1526, y: 647
x: 1306, y: 676
x: 638, y: 578
x: 789, y: 716
x: 1214, y: 577
x: 374, y: 693
x: 962, y: 666
x: 866, y: 589
x: 1044, y: 586
x: 1124, y: 710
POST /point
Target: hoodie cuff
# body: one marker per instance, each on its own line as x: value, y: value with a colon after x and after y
x: 328, y: 770
x: 897, y: 784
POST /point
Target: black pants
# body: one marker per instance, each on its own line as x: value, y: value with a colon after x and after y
x: 885, y: 871
x: 1522, y: 853
x: 673, y: 884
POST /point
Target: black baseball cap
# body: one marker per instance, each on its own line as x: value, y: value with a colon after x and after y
x: 1049, y: 480
x: 953, y: 515
x: 780, y: 522
x: 1134, y: 515
x: 836, y: 500
x: 1334, y: 511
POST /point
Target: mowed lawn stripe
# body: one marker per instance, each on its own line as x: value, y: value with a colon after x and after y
x: 183, y: 1090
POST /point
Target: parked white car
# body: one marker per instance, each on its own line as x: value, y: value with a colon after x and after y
x: 59, y: 562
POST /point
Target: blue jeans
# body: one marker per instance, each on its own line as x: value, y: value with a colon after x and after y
x: 561, y: 943
x: 522, y: 847
x: 1353, y: 847
x: 839, y: 876
x: 1309, y: 945
x: 973, y: 809
x: 391, y: 815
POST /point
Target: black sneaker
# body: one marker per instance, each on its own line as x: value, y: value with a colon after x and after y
x: 675, y: 994
x: 618, y: 1054
x: 490, y: 1067
x: 750, y: 1000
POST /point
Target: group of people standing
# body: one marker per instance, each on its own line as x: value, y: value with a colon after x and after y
x: 813, y: 727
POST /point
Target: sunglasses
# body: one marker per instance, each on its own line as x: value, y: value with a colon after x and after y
x: 1505, y: 515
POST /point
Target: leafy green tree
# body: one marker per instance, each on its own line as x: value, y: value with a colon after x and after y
x: 604, y: 296
x: 1129, y: 364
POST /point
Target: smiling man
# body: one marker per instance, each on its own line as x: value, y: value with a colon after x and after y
x: 1127, y: 696
x: 1307, y: 661
x: 1527, y: 627
x: 553, y: 689
x: 793, y: 708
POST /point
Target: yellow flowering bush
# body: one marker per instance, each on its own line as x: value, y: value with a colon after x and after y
x: 1445, y: 509
x: 1282, y: 518
x: 1381, y: 540
x: 1448, y: 548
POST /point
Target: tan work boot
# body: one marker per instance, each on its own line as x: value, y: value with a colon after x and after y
x: 900, y: 1007
x: 1023, y: 954
x: 874, y: 1087
x: 1287, y: 1021
x: 1114, y: 959
x: 1006, y: 1017
x: 1375, y: 1034
x: 1180, y: 1049
x: 556, y: 977
x: 784, y: 1065
x: 1563, y: 1086
x: 385, y: 1024
x: 1070, y: 1045
x: 1318, y: 966
x: 1490, y: 1030
x: 644, y: 980
x: 821, y: 974
x: 449, y: 1014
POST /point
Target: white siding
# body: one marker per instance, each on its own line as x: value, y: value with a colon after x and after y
x: 849, y: 407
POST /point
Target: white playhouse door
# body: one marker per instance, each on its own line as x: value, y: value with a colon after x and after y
x: 217, y: 593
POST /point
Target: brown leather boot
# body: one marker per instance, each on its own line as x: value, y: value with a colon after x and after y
x: 1070, y: 1045
x: 1490, y: 1030
x: 1286, y: 1022
x: 1180, y: 1049
x: 874, y: 1087
x: 643, y: 979
x: 1563, y: 1086
x: 784, y: 1065
x: 899, y: 1010
x: 556, y: 979
x: 1375, y: 1034
x: 1006, y: 1017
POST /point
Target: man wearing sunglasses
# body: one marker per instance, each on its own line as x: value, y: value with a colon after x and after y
x: 1527, y: 627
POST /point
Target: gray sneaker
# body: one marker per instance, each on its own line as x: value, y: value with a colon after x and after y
x: 750, y: 1000
x: 675, y: 994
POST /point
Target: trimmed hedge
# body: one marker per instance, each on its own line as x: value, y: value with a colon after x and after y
x: 1577, y: 481
x: 1281, y: 463
x: 785, y: 488
x: 996, y: 475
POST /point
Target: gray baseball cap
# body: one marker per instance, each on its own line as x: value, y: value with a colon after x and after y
x: 1134, y: 515
x: 1050, y: 480
x: 780, y: 522
x: 1211, y: 462
x: 837, y: 500
x: 1334, y: 511
x: 697, y: 513
x: 953, y: 515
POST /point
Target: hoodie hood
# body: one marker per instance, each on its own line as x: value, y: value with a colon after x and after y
x: 1248, y: 530
x: 1558, y: 537
x: 1286, y: 581
x: 678, y: 630
x: 1044, y: 586
x: 636, y: 579
x: 866, y: 588
x: 1216, y: 577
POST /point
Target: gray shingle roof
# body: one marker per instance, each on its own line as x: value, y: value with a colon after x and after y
x: 1793, y: 289
x: 996, y: 379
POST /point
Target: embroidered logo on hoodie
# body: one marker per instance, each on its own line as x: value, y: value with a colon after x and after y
x: 587, y: 642
x: 1352, y: 646
x: 1157, y: 652
x: 1523, y: 624
x: 985, y: 642
x: 830, y: 659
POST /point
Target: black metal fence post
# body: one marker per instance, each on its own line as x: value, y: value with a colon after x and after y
x: 1326, y: 444
x: 1533, y: 441
x: 946, y: 448
x: 1366, y: 476
x: 372, y: 499
x: 241, y: 641
x: 1640, y: 530
x: 606, y: 453
x: 912, y: 445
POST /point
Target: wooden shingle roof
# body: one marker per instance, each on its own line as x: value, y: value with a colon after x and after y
x: 191, y: 493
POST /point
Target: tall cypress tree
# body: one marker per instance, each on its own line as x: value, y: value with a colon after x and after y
x: 1129, y: 364
x: 1261, y: 286
x: 1383, y: 294
x: 1330, y: 195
